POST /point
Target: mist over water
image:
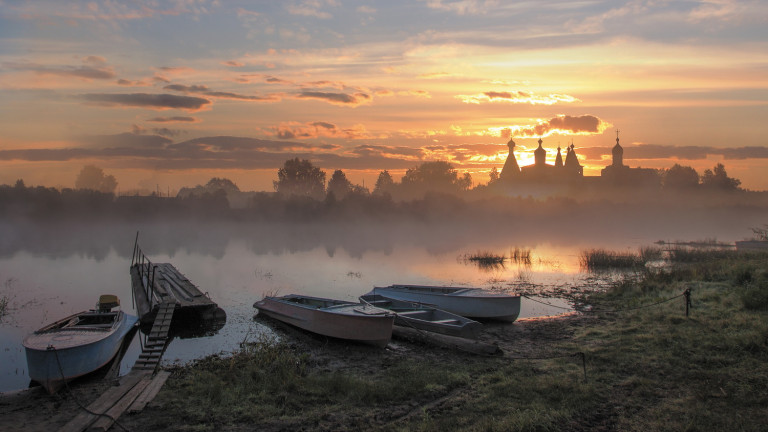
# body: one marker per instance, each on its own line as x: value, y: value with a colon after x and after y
x: 51, y: 269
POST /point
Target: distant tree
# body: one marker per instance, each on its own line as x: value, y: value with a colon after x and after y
x: 439, y: 176
x: 224, y: 184
x: 359, y: 190
x: 384, y: 183
x: 300, y: 177
x: 465, y: 182
x: 493, y: 177
x: 719, y: 179
x: 680, y: 177
x: 20, y: 184
x: 93, y: 178
x: 761, y: 233
x: 339, y: 185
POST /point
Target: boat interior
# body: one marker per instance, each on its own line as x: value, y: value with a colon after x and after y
x: 426, y: 288
x: 86, y: 320
x: 317, y: 303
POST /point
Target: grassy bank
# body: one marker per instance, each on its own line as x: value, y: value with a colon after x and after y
x: 647, y: 368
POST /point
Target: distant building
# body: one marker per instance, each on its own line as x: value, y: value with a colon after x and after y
x: 541, y: 171
x: 570, y: 172
x: 618, y: 174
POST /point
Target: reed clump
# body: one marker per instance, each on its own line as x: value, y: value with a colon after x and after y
x: 603, y: 259
x: 520, y: 256
x: 485, y: 257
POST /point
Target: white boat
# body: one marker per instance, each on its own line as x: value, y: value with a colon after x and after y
x: 78, y: 344
x: 424, y: 317
x: 467, y: 302
x: 334, y: 318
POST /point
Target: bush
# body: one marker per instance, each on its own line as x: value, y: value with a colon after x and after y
x: 755, y: 296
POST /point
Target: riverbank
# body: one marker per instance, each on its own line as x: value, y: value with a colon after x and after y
x: 645, y: 366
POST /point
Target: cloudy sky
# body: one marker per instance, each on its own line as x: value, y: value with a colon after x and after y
x: 164, y: 94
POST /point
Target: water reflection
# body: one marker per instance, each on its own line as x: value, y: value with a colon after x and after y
x: 58, y: 270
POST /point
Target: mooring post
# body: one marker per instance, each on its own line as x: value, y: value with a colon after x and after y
x: 584, y: 364
x: 687, y: 295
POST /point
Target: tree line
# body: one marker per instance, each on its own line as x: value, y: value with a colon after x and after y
x: 301, y: 192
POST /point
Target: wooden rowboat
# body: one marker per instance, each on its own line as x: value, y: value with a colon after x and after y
x: 424, y: 317
x: 467, y: 302
x: 77, y: 345
x: 334, y: 318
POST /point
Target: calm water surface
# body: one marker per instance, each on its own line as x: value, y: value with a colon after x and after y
x: 64, y: 271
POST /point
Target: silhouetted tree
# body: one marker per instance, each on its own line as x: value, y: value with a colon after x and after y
x: 339, y: 185
x: 493, y: 177
x: 384, y: 183
x: 300, y: 177
x: 465, y: 182
x: 680, y: 177
x: 224, y: 184
x: 719, y: 179
x: 93, y: 178
x: 437, y: 176
x: 761, y: 233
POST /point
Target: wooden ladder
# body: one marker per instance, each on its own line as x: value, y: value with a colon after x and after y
x: 157, y: 340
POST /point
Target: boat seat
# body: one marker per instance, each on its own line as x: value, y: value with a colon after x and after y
x: 446, y: 321
x: 412, y: 312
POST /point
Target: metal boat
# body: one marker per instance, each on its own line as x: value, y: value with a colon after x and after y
x: 467, y: 302
x: 78, y: 344
x: 334, y: 318
x: 423, y: 317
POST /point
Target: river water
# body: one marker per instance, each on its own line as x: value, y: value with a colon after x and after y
x: 48, y: 272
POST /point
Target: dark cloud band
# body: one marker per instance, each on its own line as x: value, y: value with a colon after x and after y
x: 145, y: 100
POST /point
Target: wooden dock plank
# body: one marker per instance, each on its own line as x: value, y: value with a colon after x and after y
x: 150, y: 392
x: 105, y: 422
x: 104, y: 402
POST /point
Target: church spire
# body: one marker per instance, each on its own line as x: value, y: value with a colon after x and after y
x: 617, y: 152
x: 540, y: 155
x: 510, y: 166
x: 558, y: 159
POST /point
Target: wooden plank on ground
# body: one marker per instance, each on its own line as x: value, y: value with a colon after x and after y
x: 466, y: 345
x: 150, y: 392
x: 105, y: 422
x: 106, y: 401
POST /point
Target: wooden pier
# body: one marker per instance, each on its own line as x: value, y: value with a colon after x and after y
x: 160, y: 292
x: 137, y: 388
x: 155, y: 284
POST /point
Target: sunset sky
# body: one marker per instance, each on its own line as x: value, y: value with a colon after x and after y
x: 165, y: 94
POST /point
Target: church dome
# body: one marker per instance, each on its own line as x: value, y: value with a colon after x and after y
x: 540, y: 155
x: 618, y: 153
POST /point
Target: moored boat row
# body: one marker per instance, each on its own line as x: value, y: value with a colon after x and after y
x: 86, y: 341
x: 439, y: 309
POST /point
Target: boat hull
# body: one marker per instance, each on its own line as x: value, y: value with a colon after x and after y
x: 349, y: 321
x: 468, y: 302
x: 55, y: 357
x: 427, y: 318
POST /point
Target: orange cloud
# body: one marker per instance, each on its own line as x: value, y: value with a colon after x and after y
x: 175, y: 119
x: 295, y: 130
x: 342, y: 99
x: 204, y: 90
x: 562, y: 124
x: 517, y: 97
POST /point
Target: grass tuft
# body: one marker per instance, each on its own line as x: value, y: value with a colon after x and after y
x: 602, y: 259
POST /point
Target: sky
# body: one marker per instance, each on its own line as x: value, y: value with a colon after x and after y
x: 165, y: 94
